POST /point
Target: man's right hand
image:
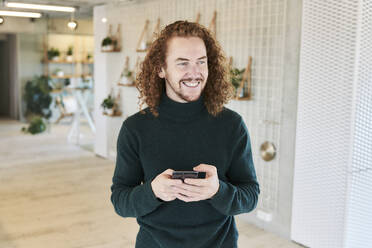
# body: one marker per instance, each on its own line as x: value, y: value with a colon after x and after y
x: 162, y: 186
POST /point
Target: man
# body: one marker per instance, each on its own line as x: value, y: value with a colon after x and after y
x: 185, y: 127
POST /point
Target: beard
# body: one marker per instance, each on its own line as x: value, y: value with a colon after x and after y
x: 183, y: 95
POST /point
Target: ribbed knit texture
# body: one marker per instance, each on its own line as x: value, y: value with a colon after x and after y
x: 182, y: 137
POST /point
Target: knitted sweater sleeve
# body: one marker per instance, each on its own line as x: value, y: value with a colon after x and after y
x: 240, y: 193
x: 129, y: 197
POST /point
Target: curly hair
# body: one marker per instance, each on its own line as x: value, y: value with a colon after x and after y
x: 217, y: 92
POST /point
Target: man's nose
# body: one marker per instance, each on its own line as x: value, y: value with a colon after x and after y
x: 195, y: 69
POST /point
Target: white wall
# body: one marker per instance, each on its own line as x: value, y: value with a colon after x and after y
x: 269, y: 31
x: 23, y: 25
x: 44, y: 25
x: 59, y: 26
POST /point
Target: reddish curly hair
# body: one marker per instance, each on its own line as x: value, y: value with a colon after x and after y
x: 217, y: 92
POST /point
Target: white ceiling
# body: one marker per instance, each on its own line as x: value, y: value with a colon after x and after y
x: 85, y: 7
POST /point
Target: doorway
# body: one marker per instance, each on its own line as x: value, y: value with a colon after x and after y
x: 9, y: 93
x: 4, y: 77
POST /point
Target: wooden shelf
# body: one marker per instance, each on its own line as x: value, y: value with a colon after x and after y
x: 117, y: 114
x: 70, y: 76
x: 56, y: 91
x: 127, y: 85
x: 111, y: 51
x: 247, y: 98
x: 65, y: 62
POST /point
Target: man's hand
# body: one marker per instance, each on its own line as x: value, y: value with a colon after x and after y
x: 163, y: 186
x: 199, y: 189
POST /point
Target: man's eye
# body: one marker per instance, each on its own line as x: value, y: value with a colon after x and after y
x: 202, y: 62
x: 184, y: 63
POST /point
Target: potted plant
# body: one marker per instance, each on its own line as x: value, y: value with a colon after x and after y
x: 107, y: 44
x: 69, y: 53
x: 53, y: 54
x: 37, y: 125
x: 37, y: 100
x: 108, y: 105
x: 127, y: 77
x: 236, y: 77
x: 89, y: 57
x: 58, y: 72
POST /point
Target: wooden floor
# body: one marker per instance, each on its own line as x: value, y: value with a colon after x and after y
x: 55, y: 194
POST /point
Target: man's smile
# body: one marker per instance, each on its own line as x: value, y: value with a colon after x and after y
x: 193, y: 84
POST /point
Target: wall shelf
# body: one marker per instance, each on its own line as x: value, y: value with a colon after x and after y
x: 242, y: 98
x: 70, y: 76
x: 117, y: 114
x: 111, y: 51
x: 127, y: 85
x: 66, y: 62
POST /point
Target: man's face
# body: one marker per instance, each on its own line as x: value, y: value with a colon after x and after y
x: 187, y: 69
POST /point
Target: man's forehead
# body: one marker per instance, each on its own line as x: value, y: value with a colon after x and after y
x: 186, y: 47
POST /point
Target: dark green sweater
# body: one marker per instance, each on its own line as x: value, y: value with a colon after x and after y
x: 182, y: 137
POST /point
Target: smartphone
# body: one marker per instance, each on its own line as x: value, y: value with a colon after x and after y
x: 188, y: 174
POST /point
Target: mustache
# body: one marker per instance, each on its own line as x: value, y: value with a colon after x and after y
x: 192, y: 79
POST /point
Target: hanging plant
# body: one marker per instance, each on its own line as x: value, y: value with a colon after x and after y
x: 108, y: 105
x: 236, y: 77
x: 127, y: 77
x: 107, y: 44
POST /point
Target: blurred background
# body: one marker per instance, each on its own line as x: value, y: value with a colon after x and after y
x: 303, y: 79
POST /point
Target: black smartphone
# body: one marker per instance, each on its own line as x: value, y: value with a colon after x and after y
x: 188, y: 174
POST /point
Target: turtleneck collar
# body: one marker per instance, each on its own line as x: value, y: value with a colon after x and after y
x: 181, y: 111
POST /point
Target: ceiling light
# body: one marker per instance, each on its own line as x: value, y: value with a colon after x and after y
x: 20, y: 14
x: 1, y: 20
x: 39, y: 6
x: 104, y: 19
x: 72, y: 25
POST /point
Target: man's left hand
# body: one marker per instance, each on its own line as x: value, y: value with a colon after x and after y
x: 199, y: 189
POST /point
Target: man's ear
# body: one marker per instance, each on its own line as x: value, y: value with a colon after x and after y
x: 161, y: 73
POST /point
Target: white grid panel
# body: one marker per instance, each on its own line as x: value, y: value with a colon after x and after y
x: 244, y: 28
x: 359, y: 214
x: 333, y: 120
x: 362, y: 149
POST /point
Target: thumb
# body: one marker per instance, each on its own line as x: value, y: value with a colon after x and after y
x: 211, y: 170
x: 168, y: 172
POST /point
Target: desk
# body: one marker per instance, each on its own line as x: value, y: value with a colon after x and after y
x: 80, y: 95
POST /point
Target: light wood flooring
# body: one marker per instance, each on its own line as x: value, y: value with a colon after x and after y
x: 55, y: 194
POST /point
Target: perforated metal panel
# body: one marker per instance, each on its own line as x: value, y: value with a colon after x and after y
x: 359, y: 213
x: 331, y: 201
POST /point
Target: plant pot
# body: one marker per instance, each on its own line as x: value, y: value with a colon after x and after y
x: 108, y: 48
x: 69, y: 58
x: 60, y: 73
x: 126, y: 81
x: 55, y: 58
x: 109, y: 111
x: 143, y: 45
